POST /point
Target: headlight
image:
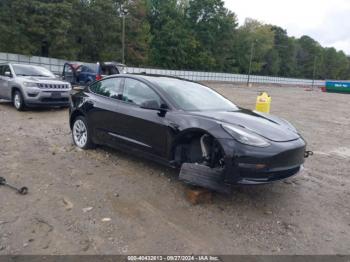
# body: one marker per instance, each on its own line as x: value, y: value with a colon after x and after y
x: 245, y: 137
x: 30, y: 84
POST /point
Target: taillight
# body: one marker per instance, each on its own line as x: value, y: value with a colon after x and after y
x: 98, y: 77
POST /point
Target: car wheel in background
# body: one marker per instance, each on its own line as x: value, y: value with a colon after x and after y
x: 81, y: 133
x: 18, y: 101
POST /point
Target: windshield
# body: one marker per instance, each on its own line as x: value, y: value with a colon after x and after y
x: 191, y: 96
x: 28, y: 70
x: 88, y: 67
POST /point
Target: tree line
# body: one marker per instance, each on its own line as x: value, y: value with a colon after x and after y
x: 173, y: 34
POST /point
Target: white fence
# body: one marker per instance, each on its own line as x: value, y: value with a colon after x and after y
x: 53, y: 64
x: 226, y: 77
x: 56, y: 66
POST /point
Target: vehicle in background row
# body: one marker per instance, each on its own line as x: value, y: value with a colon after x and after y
x: 29, y: 85
x: 186, y: 125
x: 86, y: 73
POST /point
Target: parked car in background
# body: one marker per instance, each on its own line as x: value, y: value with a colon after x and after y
x: 86, y: 73
x: 186, y: 125
x: 29, y: 85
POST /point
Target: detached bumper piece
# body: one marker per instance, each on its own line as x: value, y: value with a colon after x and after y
x: 204, y: 176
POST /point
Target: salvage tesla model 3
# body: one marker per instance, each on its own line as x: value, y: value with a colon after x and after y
x: 189, y: 126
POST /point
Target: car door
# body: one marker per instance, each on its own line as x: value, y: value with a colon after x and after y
x: 5, y: 78
x: 69, y: 74
x: 101, y: 106
x: 141, y: 128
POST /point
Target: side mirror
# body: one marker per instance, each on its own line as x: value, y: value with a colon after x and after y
x: 154, y: 105
x: 163, y: 110
x: 8, y: 73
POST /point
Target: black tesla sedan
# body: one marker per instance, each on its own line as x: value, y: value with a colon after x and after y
x: 186, y: 125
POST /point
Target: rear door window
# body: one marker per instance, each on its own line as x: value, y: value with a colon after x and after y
x: 111, y: 87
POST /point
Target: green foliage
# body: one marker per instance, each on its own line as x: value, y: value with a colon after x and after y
x: 173, y: 34
x: 335, y: 64
x: 32, y: 26
x: 253, y: 38
x: 138, y: 34
x: 286, y: 48
x: 214, y: 28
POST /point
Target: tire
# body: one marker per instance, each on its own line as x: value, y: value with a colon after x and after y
x: 81, y: 133
x: 18, y: 101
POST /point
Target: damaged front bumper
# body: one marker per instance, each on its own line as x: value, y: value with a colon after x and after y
x: 249, y: 166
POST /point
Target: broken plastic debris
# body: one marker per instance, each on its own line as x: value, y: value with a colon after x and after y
x: 87, y: 209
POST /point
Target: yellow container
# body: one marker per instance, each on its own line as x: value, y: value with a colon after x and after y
x: 263, y: 103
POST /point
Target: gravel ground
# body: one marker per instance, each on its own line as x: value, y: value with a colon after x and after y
x: 108, y: 202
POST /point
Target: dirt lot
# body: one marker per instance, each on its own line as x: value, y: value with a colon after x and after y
x: 71, y: 191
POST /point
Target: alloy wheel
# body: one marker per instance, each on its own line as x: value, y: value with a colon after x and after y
x: 17, y: 100
x: 80, y: 133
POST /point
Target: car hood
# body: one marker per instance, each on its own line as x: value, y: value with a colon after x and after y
x: 44, y: 80
x: 268, y: 126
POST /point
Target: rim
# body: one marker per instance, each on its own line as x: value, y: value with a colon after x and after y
x: 17, y: 100
x: 79, y: 133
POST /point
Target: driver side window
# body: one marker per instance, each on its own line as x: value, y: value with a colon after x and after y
x: 110, y: 87
x: 137, y: 93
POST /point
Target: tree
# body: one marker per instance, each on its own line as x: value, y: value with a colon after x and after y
x: 36, y: 27
x: 214, y: 27
x: 257, y: 37
x: 137, y: 33
x: 172, y: 34
x: 336, y: 64
x: 285, y: 47
x: 309, y: 57
x: 272, y: 63
x: 172, y: 44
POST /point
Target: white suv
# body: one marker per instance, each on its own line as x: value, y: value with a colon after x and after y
x: 28, y: 85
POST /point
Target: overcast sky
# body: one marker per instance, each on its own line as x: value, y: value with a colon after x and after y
x: 327, y: 21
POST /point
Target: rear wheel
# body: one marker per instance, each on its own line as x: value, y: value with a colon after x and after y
x: 81, y: 134
x: 18, y: 100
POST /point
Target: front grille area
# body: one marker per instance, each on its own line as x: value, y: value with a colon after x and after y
x: 268, y: 176
x: 54, y: 86
x: 291, y: 157
x: 50, y: 99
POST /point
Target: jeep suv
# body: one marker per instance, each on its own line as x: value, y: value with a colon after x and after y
x: 29, y: 85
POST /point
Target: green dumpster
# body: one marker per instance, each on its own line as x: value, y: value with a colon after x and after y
x: 338, y: 86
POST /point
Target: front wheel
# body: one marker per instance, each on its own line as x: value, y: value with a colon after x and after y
x: 81, y: 133
x: 18, y: 101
